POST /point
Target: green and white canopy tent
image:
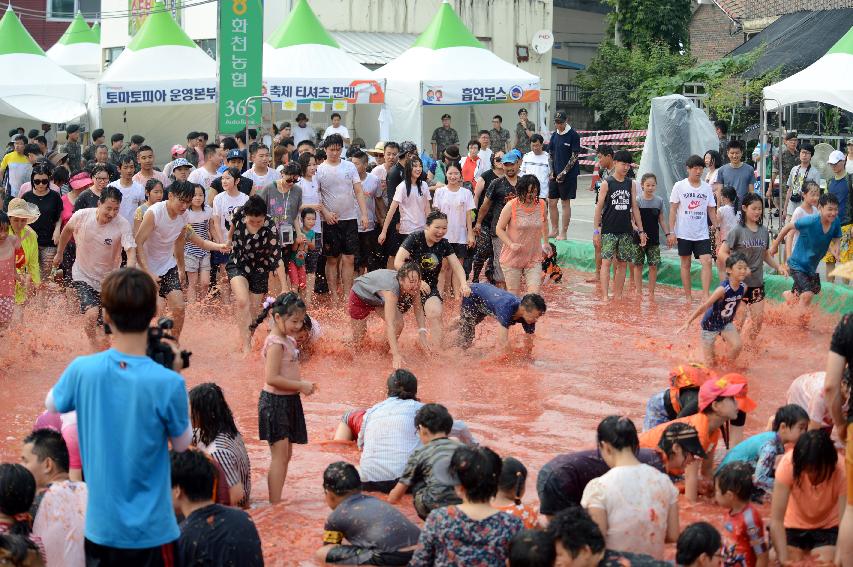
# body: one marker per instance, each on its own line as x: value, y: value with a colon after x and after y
x: 78, y: 50
x: 96, y: 29
x: 162, y: 84
x: 448, y: 70
x: 34, y: 88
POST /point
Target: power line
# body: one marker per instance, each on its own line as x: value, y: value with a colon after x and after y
x: 43, y: 14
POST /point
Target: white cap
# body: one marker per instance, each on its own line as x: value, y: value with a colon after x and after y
x: 835, y: 157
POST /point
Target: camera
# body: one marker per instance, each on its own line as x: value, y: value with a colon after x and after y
x: 161, y: 352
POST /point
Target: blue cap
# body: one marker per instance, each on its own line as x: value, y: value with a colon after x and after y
x: 511, y: 157
x: 232, y: 154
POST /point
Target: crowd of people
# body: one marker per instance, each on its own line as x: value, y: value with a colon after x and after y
x: 258, y: 230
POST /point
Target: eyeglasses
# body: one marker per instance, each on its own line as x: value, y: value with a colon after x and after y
x: 43, y: 181
x: 101, y: 178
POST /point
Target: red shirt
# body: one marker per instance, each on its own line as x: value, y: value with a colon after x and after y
x: 744, y: 534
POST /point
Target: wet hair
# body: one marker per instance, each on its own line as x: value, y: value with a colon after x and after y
x: 307, y: 211
x: 748, y: 199
x: 619, y: 432
x: 359, y: 155
x: 716, y: 159
x: 48, y: 443
x: 211, y: 415
x: 513, y: 478
x: 537, y: 138
x: 292, y: 168
x: 320, y: 154
x: 790, y: 415
x: 4, y: 219
x: 234, y: 172
x: 195, y: 474
x: 733, y: 259
x: 815, y: 452
x: 574, y: 529
x: 341, y: 478
x: 21, y: 138
x: 210, y: 149
x: 435, y: 418
x: 623, y: 156
x: 736, y: 145
x: 402, y: 384
x: 100, y: 168
x: 736, y: 478
x: 671, y: 434
x: 531, y: 548
x: 304, y: 161
x: 307, y: 323
x: 126, y: 158
x: 809, y: 148
x: 17, y: 492
x: 828, y: 199
x: 144, y: 149
x: 151, y: 184
x: 110, y: 192
x: 408, y: 268
x: 117, y: 137
x: 285, y: 305
x: 478, y: 470
x: 17, y: 549
x: 129, y: 296
x: 647, y: 176
x: 183, y: 190
x: 527, y: 189
x: 694, y: 161
x: 333, y: 140
x: 696, y: 540
x: 435, y: 215
x: 730, y: 193
x: 724, y: 129
x: 60, y: 176
x: 810, y: 186
x: 260, y: 147
x: 255, y: 206
x: 407, y: 175
x: 392, y: 145
x: 533, y: 301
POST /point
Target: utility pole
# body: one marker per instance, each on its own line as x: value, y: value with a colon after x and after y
x: 617, y: 38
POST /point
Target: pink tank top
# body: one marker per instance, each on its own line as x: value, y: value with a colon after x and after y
x: 7, y: 266
x: 525, y: 228
x: 289, y: 355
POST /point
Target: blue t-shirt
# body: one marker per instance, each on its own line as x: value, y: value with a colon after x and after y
x: 741, y: 178
x: 812, y: 243
x: 127, y: 408
x: 497, y: 302
x: 841, y: 189
x: 748, y: 449
x: 722, y: 312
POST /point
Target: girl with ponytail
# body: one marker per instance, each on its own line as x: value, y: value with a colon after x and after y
x: 17, y: 492
x: 511, y: 487
x: 281, y: 421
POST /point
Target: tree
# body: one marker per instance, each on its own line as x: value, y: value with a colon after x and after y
x: 646, y: 22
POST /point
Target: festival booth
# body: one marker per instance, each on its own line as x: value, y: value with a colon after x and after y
x: 34, y: 88
x: 305, y: 69
x: 78, y: 50
x: 162, y: 86
x: 449, y: 71
x: 96, y: 29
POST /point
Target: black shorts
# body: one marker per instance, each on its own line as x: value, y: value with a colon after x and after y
x: 695, y: 247
x: 565, y: 190
x: 169, y: 282
x: 393, y: 241
x: 811, y: 539
x: 552, y: 496
x: 340, y: 238
x: 218, y: 258
x: 433, y: 292
x: 89, y: 297
x: 259, y: 282
x: 281, y: 417
x: 804, y: 282
x: 68, y: 257
x: 754, y: 295
x: 461, y: 251
x: 104, y: 556
x: 383, y: 486
x: 369, y: 255
x: 312, y: 257
x: 353, y: 555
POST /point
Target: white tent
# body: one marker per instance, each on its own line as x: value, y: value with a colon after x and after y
x: 162, y: 86
x: 445, y: 71
x: 827, y: 80
x: 304, y: 64
x: 78, y: 50
x: 34, y: 87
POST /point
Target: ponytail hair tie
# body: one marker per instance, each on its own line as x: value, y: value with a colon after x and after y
x: 23, y: 517
x: 268, y: 302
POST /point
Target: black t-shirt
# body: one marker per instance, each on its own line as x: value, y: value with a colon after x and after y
x: 500, y: 192
x: 112, y: 170
x: 244, y: 185
x: 488, y: 177
x: 616, y: 216
x: 427, y: 257
x: 86, y: 200
x: 219, y: 535
x: 842, y: 344
x: 392, y: 180
x: 50, y: 207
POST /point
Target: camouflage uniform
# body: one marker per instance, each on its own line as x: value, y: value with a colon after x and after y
x: 114, y: 157
x: 75, y: 154
x: 787, y: 161
x: 443, y: 137
x: 521, y: 135
x: 499, y: 139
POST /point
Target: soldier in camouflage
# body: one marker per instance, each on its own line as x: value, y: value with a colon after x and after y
x: 442, y: 137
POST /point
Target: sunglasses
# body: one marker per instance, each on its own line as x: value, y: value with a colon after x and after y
x: 44, y: 181
x: 291, y: 179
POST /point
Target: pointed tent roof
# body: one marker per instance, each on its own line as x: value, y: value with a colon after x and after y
x: 96, y: 28
x: 159, y: 29
x: 302, y: 27
x: 822, y: 81
x: 34, y: 86
x: 78, y: 32
x: 446, y: 30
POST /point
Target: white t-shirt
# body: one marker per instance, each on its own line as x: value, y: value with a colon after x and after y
x: 98, y: 246
x: 693, y: 202
x: 200, y: 176
x: 540, y: 166
x: 60, y: 523
x: 799, y: 213
x: 637, y: 500
x: 224, y: 206
x: 486, y: 158
x: 342, y: 130
x: 807, y: 392
x: 457, y: 206
x: 336, y: 186
x: 311, y: 197
x: 728, y: 219
x: 131, y: 197
x: 302, y: 133
x: 160, y: 246
x: 261, y: 181
x: 370, y: 186
x: 412, y: 207
x: 849, y: 166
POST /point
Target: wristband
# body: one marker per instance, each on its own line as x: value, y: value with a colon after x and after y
x: 423, y: 330
x: 596, y: 232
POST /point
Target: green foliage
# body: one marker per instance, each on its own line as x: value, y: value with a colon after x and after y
x: 643, y: 23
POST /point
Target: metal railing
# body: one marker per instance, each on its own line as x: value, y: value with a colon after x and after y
x: 568, y: 93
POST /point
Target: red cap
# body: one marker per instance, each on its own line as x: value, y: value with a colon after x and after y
x: 178, y: 150
x: 744, y: 402
x: 719, y: 388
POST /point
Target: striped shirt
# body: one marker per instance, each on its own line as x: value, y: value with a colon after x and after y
x: 230, y: 453
x: 199, y: 221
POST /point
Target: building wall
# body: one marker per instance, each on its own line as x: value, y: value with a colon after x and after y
x: 45, y: 32
x: 710, y: 34
x: 578, y: 34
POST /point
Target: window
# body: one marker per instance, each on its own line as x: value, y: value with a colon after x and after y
x: 110, y: 55
x: 65, y: 9
x: 208, y: 46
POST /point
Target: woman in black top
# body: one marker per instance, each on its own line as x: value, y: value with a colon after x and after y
x: 483, y: 251
x: 47, y: 226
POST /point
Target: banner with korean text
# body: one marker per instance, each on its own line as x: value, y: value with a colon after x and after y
x: 241, y: 32
x: 478, y: 92
x: 177, y: 92
x: 325, y: 90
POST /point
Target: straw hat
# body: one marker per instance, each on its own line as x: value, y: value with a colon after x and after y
x: 844, y: 270
x: 21, y: 209
x: 377, y: 150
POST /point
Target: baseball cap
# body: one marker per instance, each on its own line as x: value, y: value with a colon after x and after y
x: 72, y: 128
x: 178, y: 149
x: 407, y: 147
x: 792, y: 135
x: 685, y: 435
x: 447, y: 116
x: 235, y: 154
x: 560, y: 117
x: 719, y: 388
x: 835, y: 157
x: 850, y: 141
x: 744, y: 402
x: 181, y: 162
x: 511, y: 156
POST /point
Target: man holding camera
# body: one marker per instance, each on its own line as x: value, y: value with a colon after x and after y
x: 128, y: 410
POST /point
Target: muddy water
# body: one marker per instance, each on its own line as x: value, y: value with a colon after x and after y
x: 590, y: 361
